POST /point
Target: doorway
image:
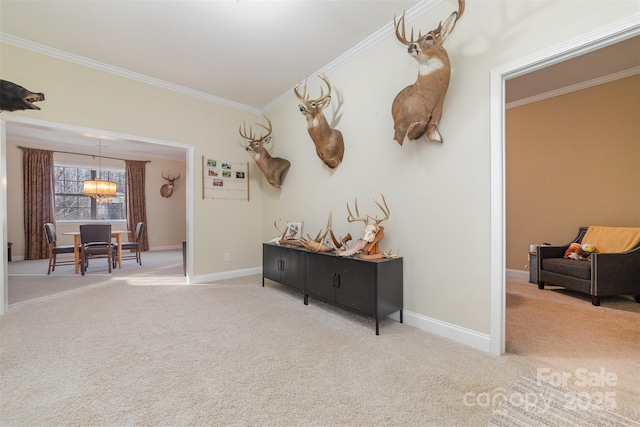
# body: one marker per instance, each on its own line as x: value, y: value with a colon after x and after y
x: 588, y: 43
x: 188, y: 152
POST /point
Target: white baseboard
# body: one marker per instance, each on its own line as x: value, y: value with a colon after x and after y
x: 225, y: 275
x: 165, y: 248
x: 517, y: 274
x: 459, y: 334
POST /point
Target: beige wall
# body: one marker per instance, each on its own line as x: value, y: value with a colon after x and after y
x: 88, y: 98
x: 439, y: 195
x: 572, y: 160
x: 166, y: 218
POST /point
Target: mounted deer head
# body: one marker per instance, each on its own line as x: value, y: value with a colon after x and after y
x: 329, y: 143
x: 273, y: 168
x: 167, y: 189
x: 417, y: 109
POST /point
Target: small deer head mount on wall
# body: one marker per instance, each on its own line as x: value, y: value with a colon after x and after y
x: 167, y: 189
x: 417, y: 109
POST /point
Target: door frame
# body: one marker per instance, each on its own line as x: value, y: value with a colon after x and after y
x: 616, y: 32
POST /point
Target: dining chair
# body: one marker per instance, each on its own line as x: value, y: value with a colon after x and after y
x: 95, y: 242
x: 134, y: 245
x: 55, y: 250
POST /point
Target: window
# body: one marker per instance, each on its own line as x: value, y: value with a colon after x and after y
x: 72, y: 205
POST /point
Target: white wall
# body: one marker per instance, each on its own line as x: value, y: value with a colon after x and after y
x: 439, y: 195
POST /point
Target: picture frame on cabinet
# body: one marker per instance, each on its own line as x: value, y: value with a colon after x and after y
x: 294, y: 230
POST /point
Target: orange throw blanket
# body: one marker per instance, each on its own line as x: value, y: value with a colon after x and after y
x: 612, y: 239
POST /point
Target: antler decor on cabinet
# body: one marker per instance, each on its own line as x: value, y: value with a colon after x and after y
x: 417, y: 109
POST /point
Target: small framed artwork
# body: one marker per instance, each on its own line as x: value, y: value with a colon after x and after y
x: 213, y: 172
x: 211, y: 163
x: 226, y: 174
x: 294, y: 230
x: 239, y: 175
x: 225, y: 165
x: 218, y: 182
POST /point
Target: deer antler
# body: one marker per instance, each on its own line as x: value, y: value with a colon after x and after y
x: 325, y: 79
x: 390, y: 254
x: 305, y: 96
x: 171, y: 179
x: 318, y: 244
x: 402, y: 38
x: 352, y: 218
x: 251, y: 136
x: 385, y: 210
x: 243, y: 134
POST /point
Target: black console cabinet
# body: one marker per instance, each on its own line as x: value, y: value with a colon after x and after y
x: 283, y: 264
x: 370, y: 287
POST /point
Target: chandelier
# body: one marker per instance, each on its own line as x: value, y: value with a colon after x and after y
x: 100, y: 190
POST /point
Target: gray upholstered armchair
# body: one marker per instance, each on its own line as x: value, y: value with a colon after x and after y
x: 604, y: 274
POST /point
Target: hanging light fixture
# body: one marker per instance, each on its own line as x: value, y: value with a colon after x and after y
x: 97, y: 188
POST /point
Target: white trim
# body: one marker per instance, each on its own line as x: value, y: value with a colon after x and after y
x: 78, y: 129
x: 70, y: 57
x: 456, y: 333
x: 517, y: 274
x: 4, y: 118
x: 574, y: 88
x: 4, y: 286
x: 379, y: 35
x: 618, y: 31
x: 206, y: 278
x: 165, y: 248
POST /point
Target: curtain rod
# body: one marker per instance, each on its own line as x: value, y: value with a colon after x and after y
x: 90, y: 155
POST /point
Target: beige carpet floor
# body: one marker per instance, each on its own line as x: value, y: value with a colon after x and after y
x: 145, y: 349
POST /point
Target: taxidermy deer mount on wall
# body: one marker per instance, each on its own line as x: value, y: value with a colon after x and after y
x: 329, y: 143
x: 167, y: 189
x: 273, y: 168
x: 417, y: 109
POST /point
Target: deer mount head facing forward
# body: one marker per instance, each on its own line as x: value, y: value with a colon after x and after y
x: 417, y: 109
x: 167, y: 189
x: 329, y: 143
x: 273, y: 168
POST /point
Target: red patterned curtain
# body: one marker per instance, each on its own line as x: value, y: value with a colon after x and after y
x: 136, y: 200
x: 38, y: 182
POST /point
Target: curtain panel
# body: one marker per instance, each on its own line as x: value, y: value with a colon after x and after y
x: 136, y: 200
x: 38, y: 184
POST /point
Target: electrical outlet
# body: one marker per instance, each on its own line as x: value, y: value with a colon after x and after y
x: 227, y: 257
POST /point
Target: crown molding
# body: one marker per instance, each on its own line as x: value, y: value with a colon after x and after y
x: 370, y: 41
x: 376, y: 37
x: 66, y: 56
x: 574, y: 88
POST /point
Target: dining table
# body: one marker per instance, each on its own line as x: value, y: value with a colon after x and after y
x: 117, y: 234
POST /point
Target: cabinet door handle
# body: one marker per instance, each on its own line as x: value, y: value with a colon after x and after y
x: 280, y: 265
x: 337, y: 281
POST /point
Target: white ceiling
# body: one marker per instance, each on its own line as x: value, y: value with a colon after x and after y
x: 247, y: 53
